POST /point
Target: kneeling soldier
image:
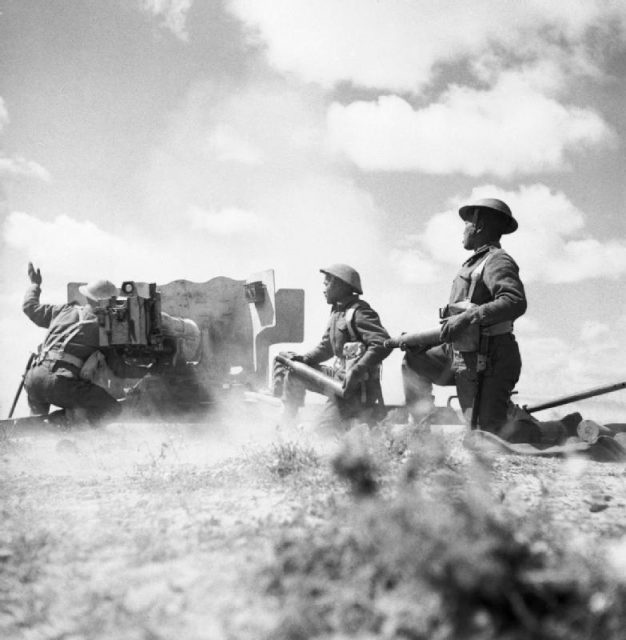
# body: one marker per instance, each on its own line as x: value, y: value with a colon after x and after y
x: 477, y: 351
x: 73, y: 336
x: 355, y: 339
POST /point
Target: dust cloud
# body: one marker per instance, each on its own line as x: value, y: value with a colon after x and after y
x: 125, y: 448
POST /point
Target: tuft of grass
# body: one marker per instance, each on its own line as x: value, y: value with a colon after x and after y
x: 288, y: 458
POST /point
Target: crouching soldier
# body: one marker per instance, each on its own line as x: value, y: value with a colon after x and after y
x: 355, y: 339
x: 476, y: 349
x: 73, y: 336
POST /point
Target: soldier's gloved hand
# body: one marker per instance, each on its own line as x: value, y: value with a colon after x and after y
x: 354, y: 377
x: 34, y: 274
x: 453, y: 327
x: 296, y: 357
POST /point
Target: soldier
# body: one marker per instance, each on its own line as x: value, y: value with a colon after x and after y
x: 477, y: 351
x: 355, y: 339
x: 73, y: 336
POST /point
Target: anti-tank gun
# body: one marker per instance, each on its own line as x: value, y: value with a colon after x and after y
x: 187, y: 346
x: 184, y: 347
x: 133, y: 327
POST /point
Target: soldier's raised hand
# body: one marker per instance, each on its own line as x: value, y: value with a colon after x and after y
x: 34, y: 274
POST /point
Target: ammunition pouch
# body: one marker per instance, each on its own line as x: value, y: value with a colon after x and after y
x: 352, y: 353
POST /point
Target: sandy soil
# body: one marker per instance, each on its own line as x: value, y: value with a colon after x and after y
x: 148, y: 532
x: 140, y: 532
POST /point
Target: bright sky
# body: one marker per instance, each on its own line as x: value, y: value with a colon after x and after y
x: 164, y: 139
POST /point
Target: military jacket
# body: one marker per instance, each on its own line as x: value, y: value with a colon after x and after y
x: 366, y: 326
x: 499, y: 292
x: 58, y: 319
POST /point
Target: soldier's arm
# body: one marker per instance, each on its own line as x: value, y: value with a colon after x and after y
x: 323, y: 351
x: 373, y: 334
x: 501, y: 277
x: 41, y: 314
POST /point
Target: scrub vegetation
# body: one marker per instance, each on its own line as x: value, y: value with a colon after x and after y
x: 149, y: 532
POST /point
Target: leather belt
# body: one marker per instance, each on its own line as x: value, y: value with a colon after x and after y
x: 63, y: 358
x: 497, y: 329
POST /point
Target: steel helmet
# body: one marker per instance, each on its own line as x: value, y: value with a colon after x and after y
x: 346, y: 274
x: 98, y: 290
x: 493, y: 204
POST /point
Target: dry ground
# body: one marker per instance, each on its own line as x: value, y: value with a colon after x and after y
x: 148, y: 532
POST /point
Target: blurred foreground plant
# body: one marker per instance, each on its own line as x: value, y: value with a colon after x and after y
x: 441, y: 559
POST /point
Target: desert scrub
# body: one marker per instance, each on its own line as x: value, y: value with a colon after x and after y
x: 373, y: 459
x: 287, y: 458
x: 23, y: 560
x: 440, y: 559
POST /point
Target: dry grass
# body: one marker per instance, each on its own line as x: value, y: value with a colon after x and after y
x: 383, y: 534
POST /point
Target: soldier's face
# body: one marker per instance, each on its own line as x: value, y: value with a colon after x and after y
x: 469, y: 235
x: 331, y: 289
x: 471, y: 232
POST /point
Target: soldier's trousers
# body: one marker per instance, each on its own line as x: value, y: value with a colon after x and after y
x: 45, y: 386
x: 442, y: 366
x: 365, y: 405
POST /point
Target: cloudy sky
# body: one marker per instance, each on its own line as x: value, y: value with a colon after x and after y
x: 164, y: 139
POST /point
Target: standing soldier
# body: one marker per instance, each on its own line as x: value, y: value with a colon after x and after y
x: 477, y: 350
x: 73, y: 336
x: 355, y: 339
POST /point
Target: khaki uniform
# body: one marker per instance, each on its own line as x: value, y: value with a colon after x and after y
x: 54, y: 379
x: 352, y: 320
x: 499, y: 294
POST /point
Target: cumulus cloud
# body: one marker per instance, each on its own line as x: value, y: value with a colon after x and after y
x: 552, y: 244
x: 286, y: 204
x: 227, y: 222
x: 4, y: 114
x: 173, y: 14
x: 226, y: 144
x: 397, y: 45
x: 554, y: 366
x: 592, y: 330
x: 17, y: 166
x: 414, y: 265
x: 522, y: 59
x: 509, y: 129
x: 66, y: 249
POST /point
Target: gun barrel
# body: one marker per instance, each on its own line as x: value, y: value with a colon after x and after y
x: 582, y: 395
x: 327, y: 385
x: 186, y: 333
x: 418, y: 340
